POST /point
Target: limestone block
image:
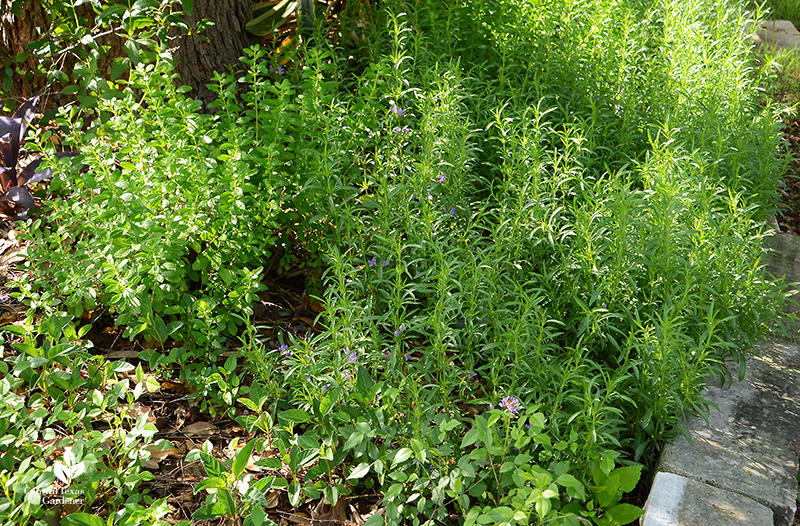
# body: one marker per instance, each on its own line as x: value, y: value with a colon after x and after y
x: 778, y: 33
x: 678, y: 501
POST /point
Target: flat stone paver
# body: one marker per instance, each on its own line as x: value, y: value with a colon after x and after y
x: 778, y: 33
x: 751, y: 446
x: 679, y: 501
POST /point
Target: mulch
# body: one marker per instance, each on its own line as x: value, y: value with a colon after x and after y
x: 788, y: 216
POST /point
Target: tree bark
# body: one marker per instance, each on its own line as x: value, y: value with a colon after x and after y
x: 16, y: 32
x: 218, y: 48
x: 197, y: 55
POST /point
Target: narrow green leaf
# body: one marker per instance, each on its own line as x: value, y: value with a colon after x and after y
x: 242, y: 459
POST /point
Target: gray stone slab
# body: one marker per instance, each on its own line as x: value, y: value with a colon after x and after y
x: 751, y: 446
x: 679, y: 501
x: 778, y: 33
x: 783, y: 261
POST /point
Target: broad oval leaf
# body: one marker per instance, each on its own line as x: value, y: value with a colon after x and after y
x: 19, y: 197
x: 214, y: 467
x: 360, y: 470
x: 295, y: 416
x: 402, y: 455
x: 82, y: 519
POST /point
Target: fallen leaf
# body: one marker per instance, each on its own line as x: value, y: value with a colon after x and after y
x: 273, y: 498
x: 151, y: 464
x: 175, y: 387
x: 201, y: 428
x: 299, y: 517
x: 159, y: 454
x: 122, y: 354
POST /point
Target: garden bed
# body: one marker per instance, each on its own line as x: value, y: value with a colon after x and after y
x: 471, y: 270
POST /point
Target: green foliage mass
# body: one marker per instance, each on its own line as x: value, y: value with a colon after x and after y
x: 539, y: 224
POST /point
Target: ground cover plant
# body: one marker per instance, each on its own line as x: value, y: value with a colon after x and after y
x: 533, y: 230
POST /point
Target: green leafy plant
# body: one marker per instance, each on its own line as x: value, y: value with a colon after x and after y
x: 232, y: 493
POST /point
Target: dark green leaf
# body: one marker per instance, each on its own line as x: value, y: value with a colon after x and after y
x: 82, y: 519
x: 213, y: 466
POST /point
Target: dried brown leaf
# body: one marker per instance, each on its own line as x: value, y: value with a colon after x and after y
x: 201, y: 428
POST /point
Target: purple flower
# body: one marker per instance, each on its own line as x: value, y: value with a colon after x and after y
x: 399, y: 331
x: 346, y: 375
x: 430, y: 197
x: 387, y: 354
x: 352, y: 357
x: 453, y: 211
x: 372, y: 262
x: 385, y: 262
x: 398, y: 110
x: 398, y: 129
x: 510, y: 404
x: 472, y: 375
x: 280, y: 70
x: 442, y: 178
x: 603, y: 305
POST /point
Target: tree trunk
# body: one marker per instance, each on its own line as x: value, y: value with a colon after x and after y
x: 16, y: 32
x: 197, y: 56
x: 218, y: 48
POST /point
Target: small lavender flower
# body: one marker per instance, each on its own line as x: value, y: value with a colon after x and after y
x: 453, y: 211
x: 352, y: 357
x: 528, y: 425
x: 399, y: 331
x: 387, y: 354
x: 430, y: 197
x: 280, y: 70
x: 510, y: 404
x: 442, y: 178
x: 603, y: 305
x: 398, y: 110
x: 346, y: 376
x: 385, y: 262
x: 472, y: 375
x: 286, y: 351
x: 372, y: 262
